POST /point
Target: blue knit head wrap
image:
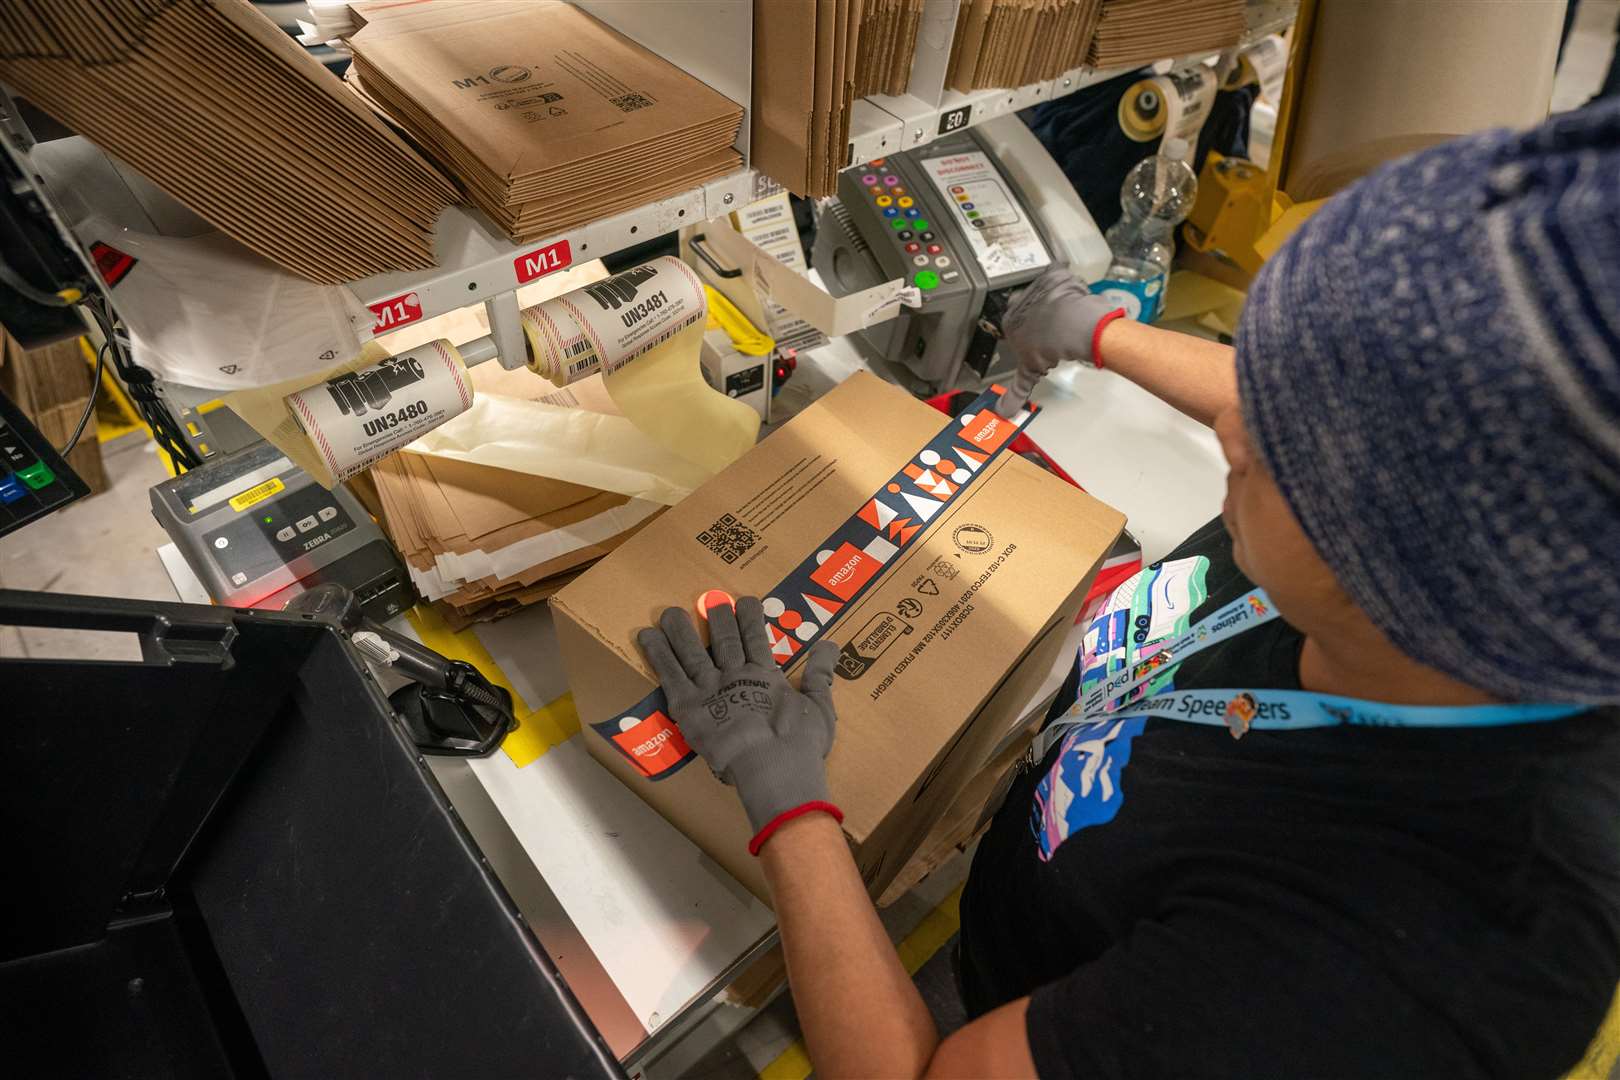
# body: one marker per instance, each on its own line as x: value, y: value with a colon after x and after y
x: 1430, y: 368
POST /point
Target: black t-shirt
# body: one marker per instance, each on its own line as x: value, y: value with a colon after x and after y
x: 1319, y: 903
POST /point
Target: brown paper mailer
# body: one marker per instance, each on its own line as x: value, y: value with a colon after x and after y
x: 958, y: 660
x: 485, y: 500
x: 563, y: 517
x: 430, y: 509
x: 538, y: 576
x: 461, y: 619
x: 529, y: 87
x: 783, y: 98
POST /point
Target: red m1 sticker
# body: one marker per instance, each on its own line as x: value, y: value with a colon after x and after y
x: 111, y: 263
x: 542, y: 261
x: 395, y: 313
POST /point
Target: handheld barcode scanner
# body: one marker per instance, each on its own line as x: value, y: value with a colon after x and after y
x: 446, y: 705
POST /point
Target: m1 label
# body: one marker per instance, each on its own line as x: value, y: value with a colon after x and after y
x: 542, y: 261
x: 956, y: 118
x: 395, y: 313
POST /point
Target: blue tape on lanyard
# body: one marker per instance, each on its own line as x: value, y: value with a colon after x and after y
x: 1297, y: 710
x: 805, y: 604
x: 1267, y: 710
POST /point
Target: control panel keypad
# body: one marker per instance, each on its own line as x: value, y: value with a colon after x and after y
x: 931, y: 262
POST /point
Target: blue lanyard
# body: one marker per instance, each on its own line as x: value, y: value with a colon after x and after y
x: 1268, y: 710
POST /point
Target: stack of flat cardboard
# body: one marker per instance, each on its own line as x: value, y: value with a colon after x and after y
x: 485, y: 541
x: 464, y: 531
x: 799, y: 122
x: 219, y: 108
x: 1141, y: 31
x: 887, y: 45
x: 52, y: 386
x: 549, y: 118
x: 1006, y: 43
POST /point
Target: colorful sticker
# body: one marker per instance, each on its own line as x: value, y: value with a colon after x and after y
x: 1083, y: 786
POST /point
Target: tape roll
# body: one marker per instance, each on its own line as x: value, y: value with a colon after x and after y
x: 1266, y: 63
x: 1172, y: 106
x: 605, y: 325
x: 1142, y: 111
x: 643, y: 330
x: 361, y: 414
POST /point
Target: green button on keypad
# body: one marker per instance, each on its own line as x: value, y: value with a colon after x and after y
x: 37, y: 475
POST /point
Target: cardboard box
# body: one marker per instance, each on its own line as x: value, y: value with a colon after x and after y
x: 52, y: 386
x: 960, y: 623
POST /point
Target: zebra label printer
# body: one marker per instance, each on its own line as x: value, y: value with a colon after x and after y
x: 968, y: 220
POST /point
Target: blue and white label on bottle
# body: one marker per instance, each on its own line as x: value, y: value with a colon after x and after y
x: 1140, y: 299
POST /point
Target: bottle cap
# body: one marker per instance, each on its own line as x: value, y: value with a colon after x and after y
x: 1174, y: 148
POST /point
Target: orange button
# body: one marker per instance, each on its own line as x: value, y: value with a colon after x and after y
x: 712, y: 599
x: 884, y: 200
x: 877, y: 163
x: 897, y: 190
x: 875, y: 190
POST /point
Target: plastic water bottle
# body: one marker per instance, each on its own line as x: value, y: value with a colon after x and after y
x: 1157, y: 196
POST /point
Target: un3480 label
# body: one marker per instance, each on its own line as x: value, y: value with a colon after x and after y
x: 392, y: 420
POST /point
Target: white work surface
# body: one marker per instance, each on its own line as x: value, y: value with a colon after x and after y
x: 646, y: 928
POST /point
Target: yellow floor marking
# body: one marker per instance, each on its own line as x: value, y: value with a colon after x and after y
x: 538, y: 730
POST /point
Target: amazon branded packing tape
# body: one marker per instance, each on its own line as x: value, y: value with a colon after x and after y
x: 1174, y: 106
x: 361, y: 411
x: 642, y: 329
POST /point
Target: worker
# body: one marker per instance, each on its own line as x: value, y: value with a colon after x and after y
x: 1421, y: 419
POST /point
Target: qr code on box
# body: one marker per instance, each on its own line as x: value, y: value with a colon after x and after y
x: 632, y: 102
x: 728, y: 538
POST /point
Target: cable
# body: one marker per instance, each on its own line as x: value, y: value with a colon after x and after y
x: 89, y: 406
x: 143, y: 391
x: 29, y: 292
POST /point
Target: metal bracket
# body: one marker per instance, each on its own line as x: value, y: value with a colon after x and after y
x: 506, y: 327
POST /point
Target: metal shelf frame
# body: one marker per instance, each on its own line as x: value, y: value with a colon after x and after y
x: 480, y: 264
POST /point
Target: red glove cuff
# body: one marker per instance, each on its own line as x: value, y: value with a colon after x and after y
x: 1096, y: 335
x: 788, y: 815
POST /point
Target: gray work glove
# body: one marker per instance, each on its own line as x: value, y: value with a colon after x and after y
x: 1053, y: 319
x: 738, y: 711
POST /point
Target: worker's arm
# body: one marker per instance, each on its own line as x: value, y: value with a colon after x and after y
x: 860, y: 1013
x: 1057, y: 318
x: 1193, y: 374
x: 859, y: 1010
